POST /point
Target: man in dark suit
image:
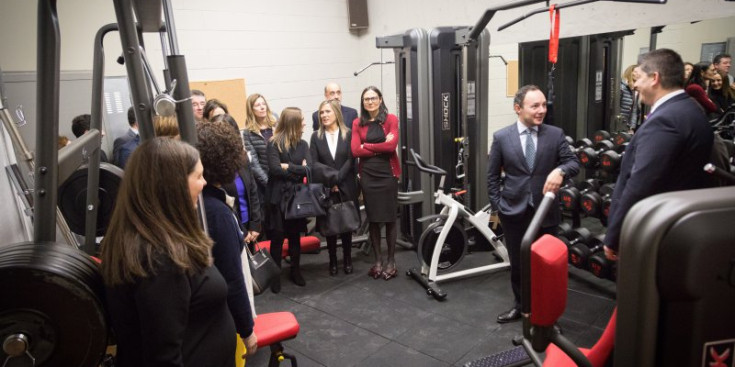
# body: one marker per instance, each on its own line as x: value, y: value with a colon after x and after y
x: 334, y: 91
x: 669, y: 150
x: 80, y: 125
x: 123, y: 146
x: 535, y: 158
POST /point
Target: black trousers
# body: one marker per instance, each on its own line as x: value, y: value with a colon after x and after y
x: 513, y: 231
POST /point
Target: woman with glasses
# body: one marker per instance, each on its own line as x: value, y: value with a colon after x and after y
x: 374, y: 141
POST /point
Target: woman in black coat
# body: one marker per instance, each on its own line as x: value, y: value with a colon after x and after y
x: 288, y: 157
x: 222, y: 156
x: 333, y: 166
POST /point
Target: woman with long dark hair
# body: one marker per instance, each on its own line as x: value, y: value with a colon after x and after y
x: 332, y: 156
x: 696, y: 86
x: 167, y: 303
x: 288, y: 158
x: 720, y: 92
x: 374, y: 141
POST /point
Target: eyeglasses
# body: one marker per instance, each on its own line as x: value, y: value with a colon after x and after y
x: 370, y: 99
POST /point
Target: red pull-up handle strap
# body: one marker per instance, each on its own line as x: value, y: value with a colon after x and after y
x: 554, y: 17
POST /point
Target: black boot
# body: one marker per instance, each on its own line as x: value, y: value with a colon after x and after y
x: 276, y: 285
x: 276, y: 246
x: 347, y: 253
x: 296, y: 270
x: 332, y: 248
x: 296, y: 277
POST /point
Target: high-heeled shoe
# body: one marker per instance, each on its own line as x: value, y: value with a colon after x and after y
x: 389, y: 273
x: 347, y: 266
x: 376, y: 271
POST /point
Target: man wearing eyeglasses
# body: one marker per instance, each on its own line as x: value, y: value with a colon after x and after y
x: 334, y: 91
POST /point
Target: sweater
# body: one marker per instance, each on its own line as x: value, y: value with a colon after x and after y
x: 359, y: 134
x: 228, y: 244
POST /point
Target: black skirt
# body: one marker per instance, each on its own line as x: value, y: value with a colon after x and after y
x: 379, y: 189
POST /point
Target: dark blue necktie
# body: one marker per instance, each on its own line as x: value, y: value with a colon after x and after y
x: 530, y: 149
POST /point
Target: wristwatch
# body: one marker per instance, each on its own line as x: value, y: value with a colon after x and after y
x: 561, y: 172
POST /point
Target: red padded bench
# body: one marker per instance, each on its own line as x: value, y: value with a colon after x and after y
x: 272, y: 329
x: 308, y: 244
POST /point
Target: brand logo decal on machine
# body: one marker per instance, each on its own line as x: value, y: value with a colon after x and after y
x: 445, y: 111
x: 719, y: 354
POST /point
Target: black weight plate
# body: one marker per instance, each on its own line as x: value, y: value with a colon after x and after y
x: 33, y: 325
x: 453, y: 248
x: 58, y: 284
x: 73, y: 198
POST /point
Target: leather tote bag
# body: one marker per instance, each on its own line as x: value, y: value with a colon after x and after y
x: 262, y: 269
x: 341, y: 217
x: 308, y: 200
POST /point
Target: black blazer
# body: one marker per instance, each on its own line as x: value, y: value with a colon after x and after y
x: 339, y: 170
x: 349, y: 115
x: 667, y: 153
x: 280, y: 179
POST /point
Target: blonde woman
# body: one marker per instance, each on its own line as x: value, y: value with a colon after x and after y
x: 259, y: 125
x: 333, y: 162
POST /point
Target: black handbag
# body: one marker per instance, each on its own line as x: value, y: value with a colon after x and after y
x: 341, y: 217
x: 307, y: 200
x: 262, y: 269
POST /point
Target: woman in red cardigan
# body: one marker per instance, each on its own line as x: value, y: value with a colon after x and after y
x: 374, y: 141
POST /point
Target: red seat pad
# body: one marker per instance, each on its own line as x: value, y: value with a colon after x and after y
x: 598, y: 355
x: 308, y: 244
x: 275, y: 327
x: 548, y: 280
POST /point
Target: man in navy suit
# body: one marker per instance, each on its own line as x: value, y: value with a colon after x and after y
x: 123, y: 146
x: 669, y: 150
x: 334, y: 91
x: 535, y: 158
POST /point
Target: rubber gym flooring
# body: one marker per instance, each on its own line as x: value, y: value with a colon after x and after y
x: 355, y: 320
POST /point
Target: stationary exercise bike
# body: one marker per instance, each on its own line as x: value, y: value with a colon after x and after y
x: 444, y: 242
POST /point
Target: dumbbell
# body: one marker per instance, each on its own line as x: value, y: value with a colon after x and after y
x: 610, y: 160
x: 601, y: 135
x: 622, y: 137
x: 590, y: 156
x: 580, y: 237
x: 569, y: 195
x: 591, y: 201
x: 599, y: 265
x: 564, y: 229
x: 580, y: 253
x: 580, y: 144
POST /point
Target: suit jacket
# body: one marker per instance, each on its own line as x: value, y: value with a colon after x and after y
x: 359, y: 134
x: 118, y: 144
x: 280, y: 179
x: 666, y: 154
x: 349, y: 115
x: 521, y: 185
x: 339, y: 170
